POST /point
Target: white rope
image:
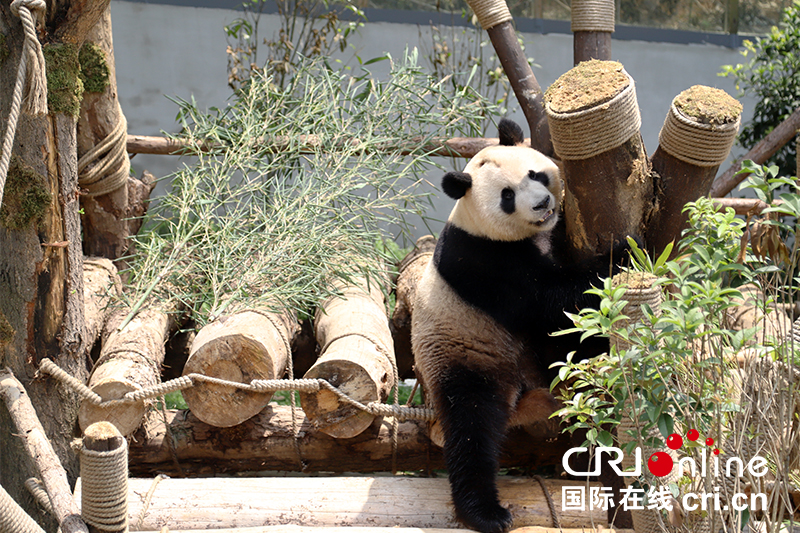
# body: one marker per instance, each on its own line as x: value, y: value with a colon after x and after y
x: 400, y: 412
x: 104, y: 488
x: 35, y: 99
x: 13, y: 519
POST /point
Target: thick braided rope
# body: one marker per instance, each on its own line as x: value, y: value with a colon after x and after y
x: 31, y: 69
x: 490, y: 13
x: 550, y: 504
x: 636, y: 297
x: 104, y: 489
x: 703, y: 145
x: 105, y: 167
x: 593, y: 15
x: 257, y: 385
x: 584, y: 134
x: 13, y: 519
x: 36, y: 489
x: 148, y: 499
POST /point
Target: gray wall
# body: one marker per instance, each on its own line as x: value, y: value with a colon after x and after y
x: 167, y: 50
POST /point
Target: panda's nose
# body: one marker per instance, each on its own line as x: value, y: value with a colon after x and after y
x: 544, y: 204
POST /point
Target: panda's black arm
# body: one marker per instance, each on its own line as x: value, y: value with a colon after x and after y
x: 514, y: 283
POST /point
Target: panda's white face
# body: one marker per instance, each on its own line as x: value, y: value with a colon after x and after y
x: 514, y: 193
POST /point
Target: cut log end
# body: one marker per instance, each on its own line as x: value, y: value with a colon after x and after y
x: 102, y: 437
x: 708, y: 105
x: 589, y: 84
x: 125, y: 417
x: 242, y: 347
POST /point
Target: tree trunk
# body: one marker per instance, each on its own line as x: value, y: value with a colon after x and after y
x: 106, y: 217
x: 41, y: 274
x: 594, y: 118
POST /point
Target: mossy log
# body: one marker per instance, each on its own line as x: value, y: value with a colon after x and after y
x: 179, y: 444
x: 696, y: 138
x: 410, y: 271
x: 335, y: 502
x: 105, y: 218
x: 594, y: 120
x: 357, y: 356
x: 130, y: 360
x: 241, y: 347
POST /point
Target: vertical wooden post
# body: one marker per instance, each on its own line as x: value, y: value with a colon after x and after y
x: 495, y: 18
x: 105, y: 195
x: 594, y: 118
x: 697, y: 136
x: 592, y: 26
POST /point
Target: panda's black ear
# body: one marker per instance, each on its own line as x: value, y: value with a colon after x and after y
x: 510, y: 133
x: 456, y: 184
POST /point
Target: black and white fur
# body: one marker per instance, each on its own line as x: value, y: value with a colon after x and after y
x: 497, y: 286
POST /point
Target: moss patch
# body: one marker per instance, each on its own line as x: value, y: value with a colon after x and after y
x: 587, y: 85
x: 6, y: 330
x: 94, y: 68
x: 26, y: 197
x: 4, y: 51
x: 708, y: 105
x: 64, y: 85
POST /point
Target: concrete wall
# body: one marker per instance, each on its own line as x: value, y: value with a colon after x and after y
x: 171, y: 51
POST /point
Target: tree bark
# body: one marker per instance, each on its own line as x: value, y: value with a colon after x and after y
x: 591, y: 45
x: 523, y: 82
x: 177, y: 443
x: 595, y: 122
x: 48, y: 467
x: 41, y: 275
x: 106, y: 217
x: 336, y: 502
x: 697, y: 135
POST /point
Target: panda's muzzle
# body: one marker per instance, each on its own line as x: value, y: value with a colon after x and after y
x: 541, y: 206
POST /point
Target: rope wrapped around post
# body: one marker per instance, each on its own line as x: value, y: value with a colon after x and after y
x: 490, y: 13
x: 696, y: 143
x: 104, y: 478
x: 592, y: 15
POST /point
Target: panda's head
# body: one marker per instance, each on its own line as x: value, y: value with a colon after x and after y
x: 506, y: 193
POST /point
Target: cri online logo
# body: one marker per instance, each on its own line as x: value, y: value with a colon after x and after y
x: 661, y: 464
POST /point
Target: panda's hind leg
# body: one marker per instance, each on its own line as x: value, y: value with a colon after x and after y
x: 474, y: 409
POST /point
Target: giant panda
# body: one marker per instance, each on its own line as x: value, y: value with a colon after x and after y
x: 498, y: 284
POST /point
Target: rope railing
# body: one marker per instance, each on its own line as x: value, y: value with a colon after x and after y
x: 400, y: 412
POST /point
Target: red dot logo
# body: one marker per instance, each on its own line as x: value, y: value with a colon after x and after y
x: 693, y: 435
x: 709, y: 441
x: 660, y: 464
x: 674, y: 441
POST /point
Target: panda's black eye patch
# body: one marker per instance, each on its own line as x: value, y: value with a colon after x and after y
x: 507, y: 203
x: 541, y: 177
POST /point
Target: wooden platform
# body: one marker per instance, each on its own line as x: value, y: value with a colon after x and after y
x: 330, y: 502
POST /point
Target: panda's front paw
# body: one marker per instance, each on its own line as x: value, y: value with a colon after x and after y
x: 486, y: 518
